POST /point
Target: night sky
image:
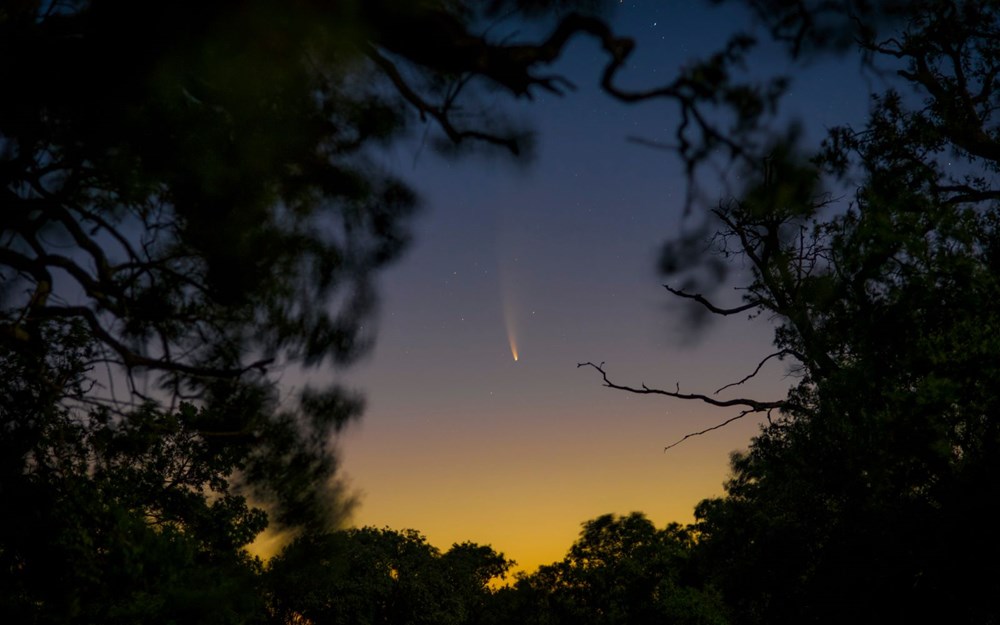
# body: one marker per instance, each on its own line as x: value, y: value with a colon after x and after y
x: 558, y: 255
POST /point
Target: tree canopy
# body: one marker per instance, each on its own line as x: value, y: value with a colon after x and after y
x: 192, y: 203
x: 865, y: 495
x: 195, y: 188
x: 623, y: 570
x: 374, y: 576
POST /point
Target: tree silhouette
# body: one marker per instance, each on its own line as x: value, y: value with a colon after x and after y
x: 621, y: 570
x: 374, y: 576
x: 864, y: 497
x: 191, y: 203
x: 115, y: 520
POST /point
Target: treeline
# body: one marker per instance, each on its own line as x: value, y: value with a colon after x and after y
x: 620, y: 570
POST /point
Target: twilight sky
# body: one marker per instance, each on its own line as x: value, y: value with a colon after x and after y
x: 461, y: 442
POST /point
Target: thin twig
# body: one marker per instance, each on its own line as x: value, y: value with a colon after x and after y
x: 718, y: 426
x: 784, y: 352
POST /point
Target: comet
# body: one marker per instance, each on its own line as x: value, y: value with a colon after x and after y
x: 509, y: 302
x: 508, y: 317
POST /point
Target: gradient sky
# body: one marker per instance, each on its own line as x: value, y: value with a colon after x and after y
x: 462, y: 443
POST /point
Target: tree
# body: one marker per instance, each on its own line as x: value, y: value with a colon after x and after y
x: 375, y: 576
x: 865, y: 496
x: 110, y: 520
x: 622, y: 570
x: 190, y: 202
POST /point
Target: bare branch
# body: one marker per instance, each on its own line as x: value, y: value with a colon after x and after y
x: 784, y: 352
x: 439, y: 113
x: 650, y: 143
x: 132, y: 359
x: 967, y: 194
x: 709, y: 305
x: 455, y: 51
x: 751, y: 404
x: 717, y: 426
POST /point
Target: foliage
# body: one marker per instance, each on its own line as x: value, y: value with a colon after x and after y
x: 191, y: 205
x: 109, y: 518
x: 622, y: 570
x: 865, y: 497
x: 376, y: 576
